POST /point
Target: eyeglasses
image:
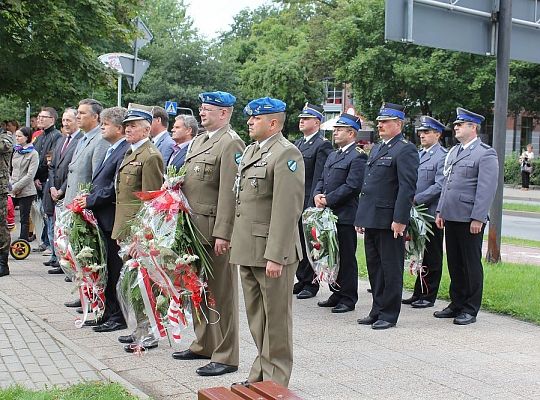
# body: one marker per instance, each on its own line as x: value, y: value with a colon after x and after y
x: 204, y: 109
x: 44, y: 116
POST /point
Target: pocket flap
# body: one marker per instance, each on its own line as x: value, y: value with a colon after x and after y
x: 256, y: 173
x: 381, y: 203
x: 427, y: 167
x: 384, y: 163
x: 466, y: 199
x: 207, y: 159
x: 260, y: 230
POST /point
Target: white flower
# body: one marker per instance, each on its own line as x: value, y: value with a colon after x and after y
x: 65, y: 264
x: 86, y: 252
x: 95, y: 267
x: 315, y: 254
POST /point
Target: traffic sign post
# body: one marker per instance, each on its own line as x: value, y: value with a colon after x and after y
x: 171, y: 107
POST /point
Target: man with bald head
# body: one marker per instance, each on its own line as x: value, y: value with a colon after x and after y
x: 265, y: 241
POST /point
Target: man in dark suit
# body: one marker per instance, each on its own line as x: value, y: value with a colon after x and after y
x: 183, y: 131
x: 159, y: 134
x: 428, y: 191
x: 101, y: 201
x: 58, y: 172
x: 315, y: 149
x: 471, y: 173
x: 383, y: 214
x: 338, y: 188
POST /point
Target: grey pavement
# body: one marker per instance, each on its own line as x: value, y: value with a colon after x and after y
x: 335, y: 358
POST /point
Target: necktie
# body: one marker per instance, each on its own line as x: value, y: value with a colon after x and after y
x: 107, y: 154
x: 65, y: 145
x: 80, y: 144
x: 459, y: 149
x: 339, y: 151
x: 421, y: 154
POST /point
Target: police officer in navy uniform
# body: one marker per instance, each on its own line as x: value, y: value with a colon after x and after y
x: 471, y: 173
x: 338, y: 189
x: 383, y: 214
x: 315, y: 149
x: 428, y: 191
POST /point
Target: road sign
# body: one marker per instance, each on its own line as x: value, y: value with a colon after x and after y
x: 171, y: 107
x: 133, y: 75
x: 464, y: 25
x: 144, y: 33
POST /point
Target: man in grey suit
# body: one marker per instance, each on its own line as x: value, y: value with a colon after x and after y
x: 87, y: 155
x: 159, y: 134
x: 471, y: 171
x: 183, y: 131
x: 428, y: 191
x: 58, y: 171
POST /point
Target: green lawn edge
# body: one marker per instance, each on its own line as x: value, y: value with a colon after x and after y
x: 81, y: 391
x: 509, y: 288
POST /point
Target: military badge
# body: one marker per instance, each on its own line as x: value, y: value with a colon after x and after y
x: 237, y: 158
x: 254, y: 183
x: 197, y: 169
x: 292, y: 165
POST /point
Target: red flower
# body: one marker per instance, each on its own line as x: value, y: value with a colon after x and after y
x: 317, y: 245
x: 314, y: 233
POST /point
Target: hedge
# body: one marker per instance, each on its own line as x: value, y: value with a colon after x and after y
x: 512, y: 170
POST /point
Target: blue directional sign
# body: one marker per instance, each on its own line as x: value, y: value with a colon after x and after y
x: 171, y: 107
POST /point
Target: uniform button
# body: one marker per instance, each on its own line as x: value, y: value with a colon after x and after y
x: 243, y: 176
x: 237, y: 214
x: 241, y: 189
x: 238, y: 202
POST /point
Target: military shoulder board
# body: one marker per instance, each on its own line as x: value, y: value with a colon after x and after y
x: 360, y: 150
x: 485, y: 146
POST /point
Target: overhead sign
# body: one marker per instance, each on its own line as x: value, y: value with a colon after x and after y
x: 464, y: 25
x: 171, y: 107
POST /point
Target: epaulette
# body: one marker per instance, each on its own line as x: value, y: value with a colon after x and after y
x: 285, y: 142
x: 233, y: 134
x: 485, y: 146
x: 404, y: 140
x: 360, y: 150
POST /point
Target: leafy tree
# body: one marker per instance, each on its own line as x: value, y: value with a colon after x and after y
x: 50, y: 47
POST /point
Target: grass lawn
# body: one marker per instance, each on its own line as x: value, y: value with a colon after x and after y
x: 512, y: 289
x: 521, y: 207
x: 83, y: 391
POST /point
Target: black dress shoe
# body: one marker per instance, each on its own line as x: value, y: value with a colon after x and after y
x: 369, y: 290
x: 55, y: 271
x: 189, y: 355
x: 342, y: 308
x: 297, y: 288
x: 464, y: 319
x: 381, y: 324
x: 422, y: 304
x: 327, y: 303
x: 132, y: 348
x: 445, y: 313
x: 74, y: 303
x: 48, y: 263
x: 305, y: 294
x: 109, y: 326
x: 79, y: 310
x: 410, y: 300
x: 366, y: 320
x: 67, y: 279
x: 215, y: 369
x: 126, y: 339
x: 94, y: 322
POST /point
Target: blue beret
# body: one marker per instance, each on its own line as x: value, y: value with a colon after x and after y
x: 468, y: 116
x: 265, y: 105
x: 349, y: 120
x: 391, y: 111
x: 428, y: 123
x: 222, y: 99
x: 312, y: 111
x: 138, y: 112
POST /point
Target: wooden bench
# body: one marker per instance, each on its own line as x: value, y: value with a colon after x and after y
x: 267, y: 390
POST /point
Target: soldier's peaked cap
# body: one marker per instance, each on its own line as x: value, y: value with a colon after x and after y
x: 391, y: 111
x: 312, y: 111
x: 428, y: 123
x: 468, y: 116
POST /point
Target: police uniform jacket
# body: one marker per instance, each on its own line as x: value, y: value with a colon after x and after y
x: 141, y: 170
x: 389, y: 185
x: 315, y: 152
x: 470, y: 183
x: 341, y: 182
x: 430, y: 178
x: 211, y: 166
x: 269, y: 204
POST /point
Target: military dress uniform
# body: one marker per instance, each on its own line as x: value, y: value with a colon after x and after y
x: 269, y: 201
x: 387, y: 196
x: 211, y: 165
x: 428, y: 191
x: 341, y: 182
x: 6, y: 149
x: 314, y: 151
x: 471, y: 174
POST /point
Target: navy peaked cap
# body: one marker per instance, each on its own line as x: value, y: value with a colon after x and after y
x: 391, y: 111
x: 312, y: 111
x: 349, y: 120
x: 428, y: 123
x: 468, y: 116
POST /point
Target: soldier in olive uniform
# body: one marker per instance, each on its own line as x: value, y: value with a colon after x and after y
x: 211, y: 165
x: 428, y: 191
x: 471, y: 173
x: 265, y: 240
x: 384, y: 212
x: 6, y: 149
x: 315, y: 149
x: 141, y: 170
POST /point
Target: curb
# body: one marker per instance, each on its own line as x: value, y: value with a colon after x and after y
x: 526, y: 214
x: 101, y: 368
